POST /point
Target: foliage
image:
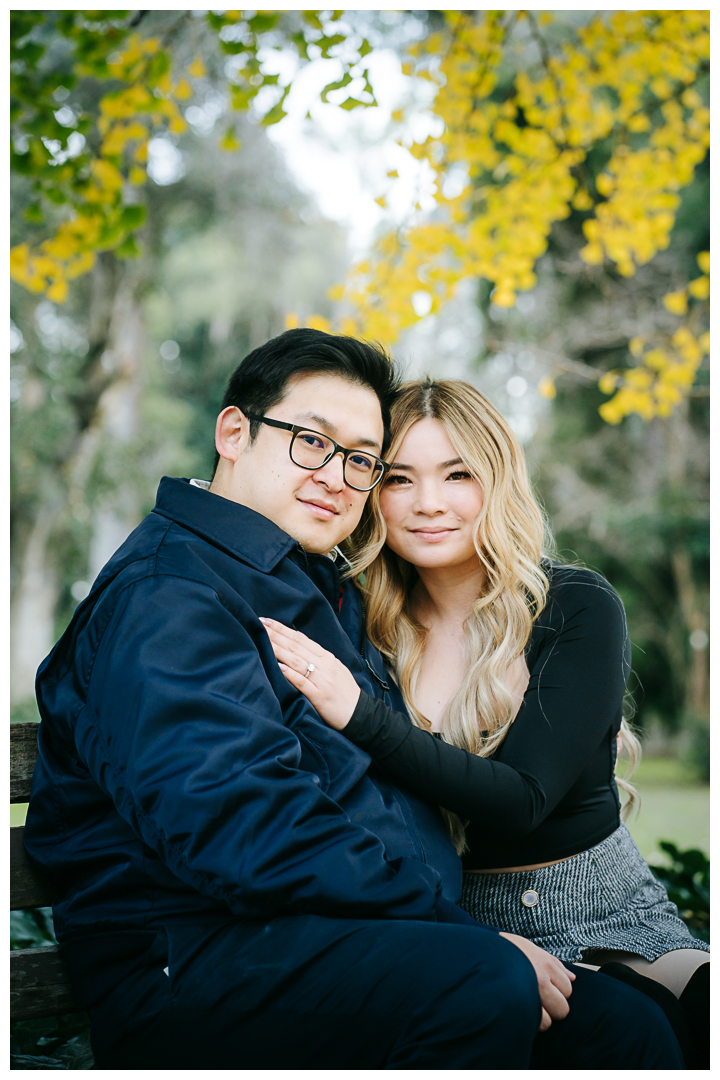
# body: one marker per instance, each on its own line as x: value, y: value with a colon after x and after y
x: 91, y: 160
x: 687, y: 881
x: 605, y: 121
x: 53, y: 1042
x: 32, y: 928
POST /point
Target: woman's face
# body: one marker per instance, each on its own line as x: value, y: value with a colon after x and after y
x: 430, y: 501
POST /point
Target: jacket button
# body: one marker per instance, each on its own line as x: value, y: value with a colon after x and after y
x: 530, y: 898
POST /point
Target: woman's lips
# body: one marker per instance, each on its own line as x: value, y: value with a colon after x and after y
x: 432, y: 536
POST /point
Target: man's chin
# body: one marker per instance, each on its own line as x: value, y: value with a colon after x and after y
x: 318, y: 540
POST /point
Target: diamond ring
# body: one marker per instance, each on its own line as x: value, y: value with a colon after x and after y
x: 310, y: 669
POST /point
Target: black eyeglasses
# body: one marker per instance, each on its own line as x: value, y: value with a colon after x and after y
x: 311, y: 450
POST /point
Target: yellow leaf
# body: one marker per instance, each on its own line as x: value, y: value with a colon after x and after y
x: 700, y: 288
x: 704, y: 342
x: 704, y: 261
x: 197, y: 68
x: 107, y: 175
x: 381, y: 201
x: 503, y: 296
x: 392, y: 174
x: 230, y: 141
x: 336, y: 292
x: 582, y: 200
x: 318, y: 322
x: 19, y: 261
x: 676, y: 302
x: 546, y: 387
x: 592, y: 254
x: 636, y: 346
x: 608, y: 382
x: 183, y: 90
x: 81, y: 264
x: 291, y: 321
x: 137, y: 176
x: 605, y: 184
x: 610, y: 412
x: 656, y: 359
x: 58, y: 291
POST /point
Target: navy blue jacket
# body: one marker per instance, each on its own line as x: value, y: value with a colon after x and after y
x: 180, y: 773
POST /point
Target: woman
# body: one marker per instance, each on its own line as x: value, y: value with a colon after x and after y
x: 513, y: 669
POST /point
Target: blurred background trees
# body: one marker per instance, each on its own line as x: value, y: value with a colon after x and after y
x: 158, y: 236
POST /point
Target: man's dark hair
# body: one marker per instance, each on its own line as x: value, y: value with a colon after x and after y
x: 260, y: 380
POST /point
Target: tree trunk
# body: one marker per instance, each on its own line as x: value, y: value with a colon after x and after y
x: 33, y: 606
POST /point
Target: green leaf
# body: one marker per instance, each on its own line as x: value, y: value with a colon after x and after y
x: 132, y: 217
x: 232, y: 48
x: 327, y: 43
x: 346, y: 79
x: 260, y: 23
x: 33, y: 213
x: 158, y: 66
x: 276, y: 114
x: 312, y: 19
x: 351, y: 103
x: 365, y: 48
x: 129, y: 249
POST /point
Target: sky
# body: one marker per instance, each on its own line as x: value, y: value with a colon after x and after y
x: 342, y: 158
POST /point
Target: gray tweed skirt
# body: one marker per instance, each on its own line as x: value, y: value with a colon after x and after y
x: 603, y: 898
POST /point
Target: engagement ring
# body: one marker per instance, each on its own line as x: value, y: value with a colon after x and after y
x: 310, y: 669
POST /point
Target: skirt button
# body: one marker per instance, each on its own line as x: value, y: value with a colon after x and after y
x: 529, y: 898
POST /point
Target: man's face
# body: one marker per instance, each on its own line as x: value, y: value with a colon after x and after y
x: 316, y: 508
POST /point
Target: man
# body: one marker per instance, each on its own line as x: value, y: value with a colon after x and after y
x: 235, y: 887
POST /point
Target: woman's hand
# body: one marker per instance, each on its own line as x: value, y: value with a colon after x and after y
x: 315, y: 672
x: 554, y: 980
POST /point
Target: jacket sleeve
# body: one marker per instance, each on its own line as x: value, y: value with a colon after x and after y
x: 574, y: 697
x: 184, y: 733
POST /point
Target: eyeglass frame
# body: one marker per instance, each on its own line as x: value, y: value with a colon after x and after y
x: 337, y: 449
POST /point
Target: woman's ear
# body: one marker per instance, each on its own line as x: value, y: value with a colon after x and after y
x: 232, y: 433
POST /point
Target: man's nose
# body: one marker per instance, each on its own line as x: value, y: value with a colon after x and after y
x: 332, y: 473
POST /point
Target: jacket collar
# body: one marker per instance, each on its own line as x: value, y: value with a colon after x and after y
x: 237, y: 529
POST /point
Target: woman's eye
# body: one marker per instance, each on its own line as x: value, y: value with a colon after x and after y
x: 460, y: 475
x: 397, y: 479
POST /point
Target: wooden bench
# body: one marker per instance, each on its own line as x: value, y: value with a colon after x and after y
x: 39, y: 985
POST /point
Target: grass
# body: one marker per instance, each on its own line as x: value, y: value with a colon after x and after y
x: 674, y: 806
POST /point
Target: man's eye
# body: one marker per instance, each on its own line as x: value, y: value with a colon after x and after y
x: 313, y: 441
x: 361, y: 461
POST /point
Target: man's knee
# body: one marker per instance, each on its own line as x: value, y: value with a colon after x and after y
x: 488, y: 990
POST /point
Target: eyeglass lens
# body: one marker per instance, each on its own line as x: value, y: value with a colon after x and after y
x: 311, y: 450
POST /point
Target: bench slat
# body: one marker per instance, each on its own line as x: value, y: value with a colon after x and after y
x: 28, y: 888
x: 23, y: 755
x: 39, y: 984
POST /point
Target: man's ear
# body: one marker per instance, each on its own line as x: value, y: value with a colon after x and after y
x: 232, y: 433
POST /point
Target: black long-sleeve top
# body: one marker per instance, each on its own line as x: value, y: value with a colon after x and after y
x: 548, y: 792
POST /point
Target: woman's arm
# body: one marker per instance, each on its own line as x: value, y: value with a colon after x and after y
x: 574, y: 696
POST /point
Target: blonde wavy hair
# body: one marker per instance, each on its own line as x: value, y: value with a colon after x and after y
x: 511, y: 538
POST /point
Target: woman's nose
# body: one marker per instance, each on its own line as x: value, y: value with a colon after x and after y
x: 429, y: 499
